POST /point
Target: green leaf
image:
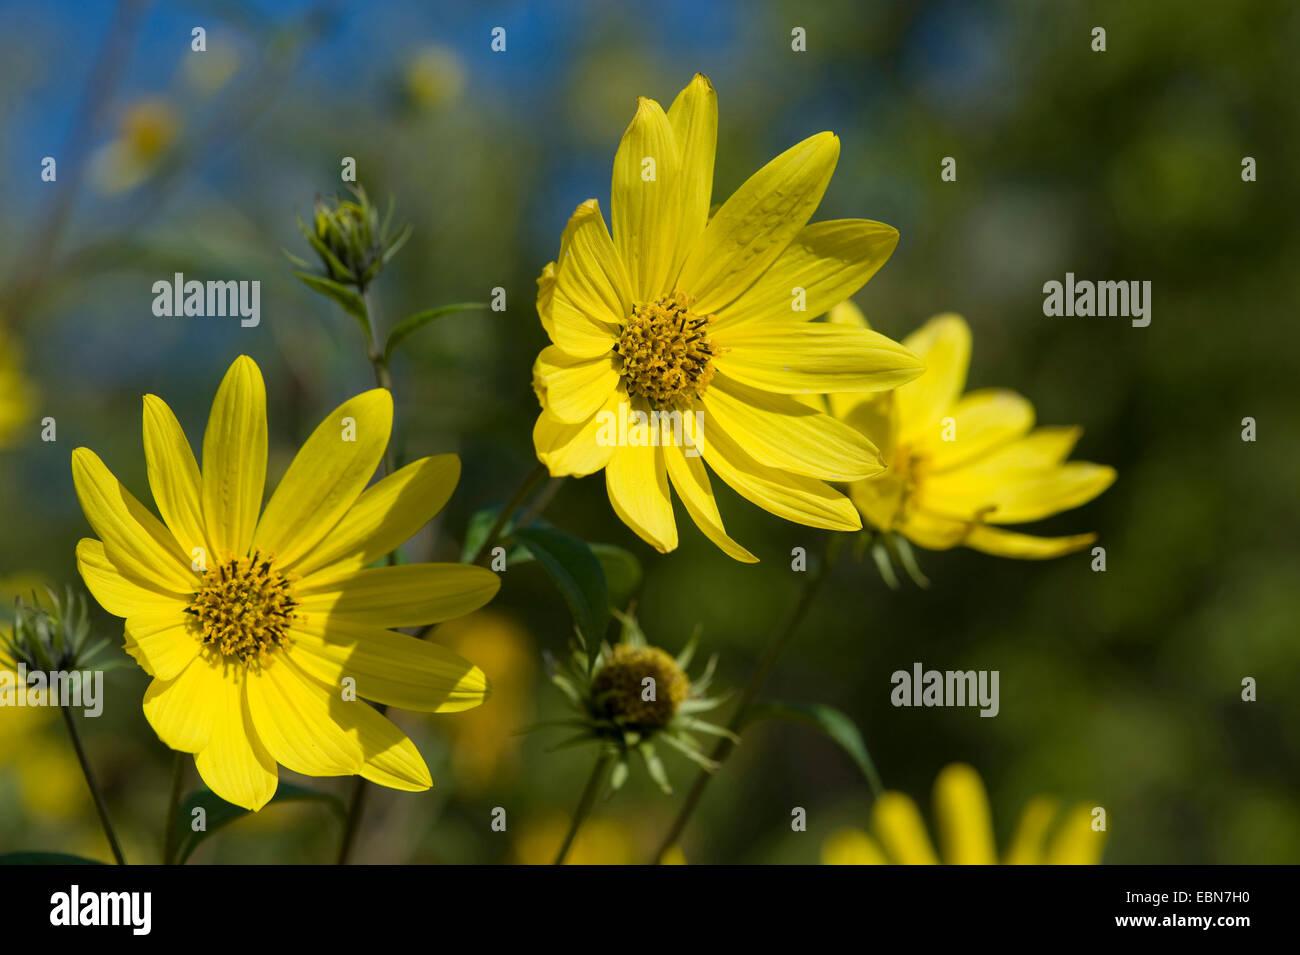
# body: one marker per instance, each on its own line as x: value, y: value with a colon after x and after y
x: 45, y: 858
x: 578, y: 575
x: 349, y: 300
x: 413, y: 323
x: 830, y: 721
x: 622, y: 572
x: 221, y: 813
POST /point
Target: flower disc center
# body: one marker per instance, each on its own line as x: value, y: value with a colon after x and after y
x: 244, y: 608
x: 667, y: 355
x: 622, y: 690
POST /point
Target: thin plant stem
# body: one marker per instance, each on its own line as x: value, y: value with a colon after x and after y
x: 356, y: 808
x: 100, y: 806
x: 780, y: 639
x: 173, y: 808
x: 587, y: 800
x: 516, y: 501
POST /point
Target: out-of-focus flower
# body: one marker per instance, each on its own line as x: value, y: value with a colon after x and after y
x: 265, y: 635
x: 433, y: 77
x: 961, y: 807
x: 17, y: 395
x: 485, y: 749
x: 146, y: 133
x: 683, y: 337
x: 958, y: 465
x: 208, y: 72
x: 34, y: 751
x: 600, y: 841
x: 634, y: 696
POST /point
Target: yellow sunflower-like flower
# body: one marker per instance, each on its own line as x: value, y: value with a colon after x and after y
x: 961, y: 808
x: 16, y: 394
x: 264, y: 634
x: 684, y: 338
x: 959, y: 464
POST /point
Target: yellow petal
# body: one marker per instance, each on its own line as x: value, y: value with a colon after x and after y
x: 294, y: 719
x: 829, y: 261
x: 782, y: 433
x: 386, y: 515
x: 408, y: 595
x: 691, y: 480
x: 793, y: 357
x: 900, y: 830
x: 647, y: 203
x: 1013, y: 496
x: 390, y: 668
x: 234, y: 764
x: 592, y: 292
x: 965, y: 823
x: 326, y: 477
x: 135, y: 541
x: 173, y: 475
x: 1075, y: 842
x: 636, y: 479
x: 1042, y: 448
x: 545, y: 292
x: 981, y: 422
x: 800, y: 499
x: 575, y: 388
x: 1000, y: 543
x: 116, y: 593
x: 943, y: 344
x: 577, y: 450
x: 234, y: 460
x: 166, y: 639
x: 694, y: 119
x: 755, y: 225
x: 933, y: 531
x: 851, y: 847
x: 1027, y: 845
x: 182, y: 711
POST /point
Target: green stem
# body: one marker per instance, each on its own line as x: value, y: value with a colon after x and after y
x: 100, y: 806
x: 173, y: 807
x: 503, y: 518
x: 588, y: 799
x: 780, y: 639
x: 355, y: 810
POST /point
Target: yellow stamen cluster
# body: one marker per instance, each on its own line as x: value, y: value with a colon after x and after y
x: 244, y: 608
x: 621, y: 692
x: 667, y: 355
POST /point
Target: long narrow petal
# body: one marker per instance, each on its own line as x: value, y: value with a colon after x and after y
x: 234, y: 764
x: 1026, y: 846
x: 592, y: 291
x: 637, y: 481
x: 234, y: 460
x: 851, y: 847
x: 326, y: 477
x: 166, y: 639
x: 404, y: 596
x: 965, y: 823
x: 1075, y: 841
x: 901, y: 831
x: 690, y: 478
x: 294, y: 720
x: 174, y: 475
x: 800, y: 499
x: 1010, y: 496
x: 981, y: 421
x: 1000, y: 543
x: 577, y: 450
x: 183, y: 711
x: 694, y: 118
x: 793, y: 357
x: 757, y: 222
x: 387, y: 514
x: 119, y: 595
x: 827, y: 262
x: 646, y: 196
x: 782, y: 433
x: 390, y: 668
x: 135, y: 541
x: 943, y: 344
x: 575, y: 388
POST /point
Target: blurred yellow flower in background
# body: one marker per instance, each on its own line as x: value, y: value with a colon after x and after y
x: 147, y: 131
x: 485, y: 749
x: 707, y: 318
x: 965, y: 823
x: 957, y: 464
x: 35, y: 751
x: 600, y: 841
x: 256, y: 623
x: 17, y: 395
x: 434, y: 77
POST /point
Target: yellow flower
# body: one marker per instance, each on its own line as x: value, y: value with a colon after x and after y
x: 965, y: 830
x: 147, y: 132
x: 262, y: 633
x: 600, y: 841
x: 706, y: 321
x: 959, y: 463
x: 16, y: 394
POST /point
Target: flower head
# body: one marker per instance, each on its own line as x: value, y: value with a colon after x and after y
x: 352, y: 241
x: 265, y: 629
x: 682, y: 338
x: 959, y: 465
x: 55, y: 636
x: 961, y: 809
x: 634, y: 695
